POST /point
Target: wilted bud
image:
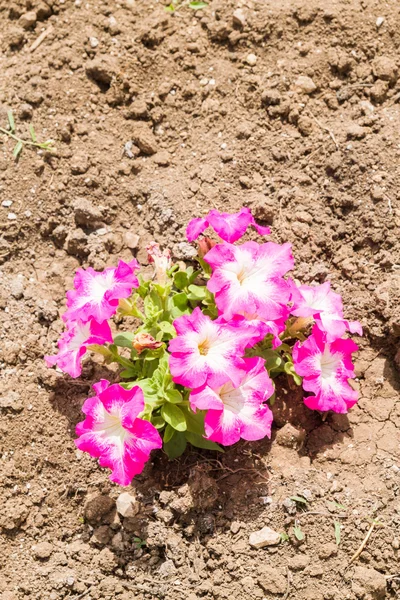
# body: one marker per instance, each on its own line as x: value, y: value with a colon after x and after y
x: 143, y: 341
x: 205, y: 244
x: 161, y: 259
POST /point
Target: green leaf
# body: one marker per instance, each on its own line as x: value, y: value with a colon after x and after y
x: 181, y: 280
x: 158, y: 422
x: 200, y: 442
x: 194, y: 421
x: 197, y: 5
x: 170, y: 8
x: 124, y: 340
x: 174, y: 416
x: 298, y: 499
x: 167, y: 328
x: 17, y: 149
x: 180, y: 301
x: 197, y: 292
x: 173, y: 396
x: 99, y: 349
x: 168, y: 433
x: 176, y: 445
x: 284, y: 537
x: 32, y: 132
x: 11, y: 121
x: 298, y: 533
x: 337, y: 532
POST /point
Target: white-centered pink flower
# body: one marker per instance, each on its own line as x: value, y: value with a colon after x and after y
x: 320, y: 304
x: 96, y: 294
x: 249, y: 279
x: 326, y: 368
x: 113, y: 432
x: 237, y: 411
x: 207, y: 351
x: 73, y: 344
x: 229, y: 226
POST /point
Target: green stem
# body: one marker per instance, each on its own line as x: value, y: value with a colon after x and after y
x: 43, y: 145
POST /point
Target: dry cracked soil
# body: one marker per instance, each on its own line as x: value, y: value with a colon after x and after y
x: 290, y: 108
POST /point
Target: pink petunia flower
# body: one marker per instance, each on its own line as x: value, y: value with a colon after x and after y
x: 237, y: 411
x: 325, y: 307
x: 73, y: 344
x: 249, y: 279
x: 229, y: 227
x: 207, y: 351
x: 326, y: 368
x: 113, y: 432
x: 96, y: 294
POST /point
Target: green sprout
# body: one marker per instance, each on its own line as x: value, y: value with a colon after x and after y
x: 194, y: 5
x: 47, y: 145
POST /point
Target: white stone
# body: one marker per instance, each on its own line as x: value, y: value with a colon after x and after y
x: 239, y: 17
x: 264, y: 537
x: 251, y: 60
x: 380, y: 21
x: 6, y: 203
x: 127, y: 505
x: 305, y: 84
x: 11, y: 216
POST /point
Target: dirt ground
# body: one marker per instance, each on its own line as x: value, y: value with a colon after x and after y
x: 291, y: 108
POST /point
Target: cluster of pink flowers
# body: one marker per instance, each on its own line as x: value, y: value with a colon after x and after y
x: 209, y: 357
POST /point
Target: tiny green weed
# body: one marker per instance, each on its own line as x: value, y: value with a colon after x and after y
x: 20, y: 142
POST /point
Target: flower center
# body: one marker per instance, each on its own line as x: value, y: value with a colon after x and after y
x: 204, y: 347
x: 101, y: 284
x: 329, y: 364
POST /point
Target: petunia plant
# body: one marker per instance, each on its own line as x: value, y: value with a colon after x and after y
x: 208, y: 341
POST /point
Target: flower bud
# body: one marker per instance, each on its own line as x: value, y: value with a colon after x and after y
x: 143, y: 341
x: 162, y: 261
x: 205, y: 244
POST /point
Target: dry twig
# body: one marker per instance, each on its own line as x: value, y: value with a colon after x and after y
x: 363, y: 544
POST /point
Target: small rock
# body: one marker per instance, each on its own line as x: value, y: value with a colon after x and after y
x: 300, y: 562
x: 263, y: 208
x: 355, y: 132
x: 26, y: 112
x: 327, y: 550
x: 385, y: 68
x: 43, y: 11
x: 162, y: 159
x: 377, y: 193
x: 379, y: 90
x: 15, y: 36
x: 379, y: 22
x: 144, y: 138
x: 11, y: 401
x: 76, y: 243
x: 79, y: 163
x: 131, y: 240
x: 272, y: 580
x: 251, y: 60
x: 290, y: 506
x: 85, y: 213
x: 43, y: 550
x: 94, y: 42
x: 137, y: 110
x: 102, y: 69
x: 98, y: 508
x: 239, y: 17
x: 305, y: 125
x: 17, y: 287
x: 184, y: 251
x: 271, y: 97
x: 102, y: 535
x: 264, y: 537
x: 369, y: 583
x: 290, y: 436
x: 167, y: 569
x: 127, y: 505
x: 235, y: 526
x: 28, y: 19
x: 305, y: 84
x: 366, y: 107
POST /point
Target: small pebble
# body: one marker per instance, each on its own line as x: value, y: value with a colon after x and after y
x: 6, y: 203
x: 11, y: 216
x: 251, y: 60
x: 380, y: 21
